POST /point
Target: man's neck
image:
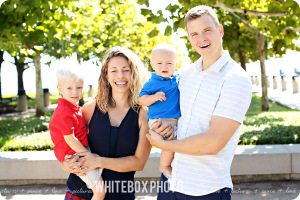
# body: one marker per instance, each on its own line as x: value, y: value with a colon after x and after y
x: 206, y: 63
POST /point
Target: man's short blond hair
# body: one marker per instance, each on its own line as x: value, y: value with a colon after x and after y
x: 198, y: 11
x: 69, y: 73
x: 165, y: 47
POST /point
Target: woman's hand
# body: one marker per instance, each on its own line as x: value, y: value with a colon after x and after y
x: 91, y: 161
x: 73, y: 165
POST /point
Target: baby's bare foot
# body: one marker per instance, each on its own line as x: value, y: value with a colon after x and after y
x: 165, y: 169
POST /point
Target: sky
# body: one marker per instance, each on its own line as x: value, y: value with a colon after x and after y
x: 92, y: 72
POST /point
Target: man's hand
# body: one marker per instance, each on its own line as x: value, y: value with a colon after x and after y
x: 160, y: 96
x: 155, y: 139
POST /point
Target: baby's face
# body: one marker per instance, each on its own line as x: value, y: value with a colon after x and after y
x: 164, y: 63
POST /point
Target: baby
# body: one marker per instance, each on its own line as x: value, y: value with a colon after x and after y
x: 161, y: 94
x: 67, y: 126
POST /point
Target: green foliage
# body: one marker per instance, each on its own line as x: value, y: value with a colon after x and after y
x: 281, y: 125
x: 280, y: 31
x: 168, y: 31
x: 94, y: 27
x: 11, y: 131
x: 33, y: 142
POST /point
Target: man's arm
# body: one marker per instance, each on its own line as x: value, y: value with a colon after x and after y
x: 148, y: 100
x: 208, y: 143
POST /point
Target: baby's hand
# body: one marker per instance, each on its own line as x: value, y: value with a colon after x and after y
x: 160, y: 96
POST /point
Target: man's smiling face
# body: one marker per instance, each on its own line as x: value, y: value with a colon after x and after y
x: 206, y: 37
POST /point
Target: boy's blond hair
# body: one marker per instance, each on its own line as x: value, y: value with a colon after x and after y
x: 165, y: 47
x: 198, y: 11
x: 69, y: 73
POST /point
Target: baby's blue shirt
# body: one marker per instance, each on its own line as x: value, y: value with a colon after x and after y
x: 168, y: 108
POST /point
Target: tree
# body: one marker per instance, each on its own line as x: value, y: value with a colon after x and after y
x: 96, y: 26
x: 273, y: 26
x: 1, y: 61
x: 30, y: 25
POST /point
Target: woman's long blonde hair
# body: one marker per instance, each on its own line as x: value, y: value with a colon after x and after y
x: 103, y: 96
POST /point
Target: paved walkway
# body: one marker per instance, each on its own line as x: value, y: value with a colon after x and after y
x: 271, y: 190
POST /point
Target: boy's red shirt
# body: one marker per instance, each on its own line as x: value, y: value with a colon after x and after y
x: 67, y: 119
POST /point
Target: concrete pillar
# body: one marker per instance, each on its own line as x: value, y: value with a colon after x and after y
x: 47, y: 101
x: 269, y: 82
x: 22, y: 100
x: 295, y: 84
x: 252, y: 80
x: 283, y: 83
x: 90, y: 92
x: 257, y: 80
x: 275, y: 86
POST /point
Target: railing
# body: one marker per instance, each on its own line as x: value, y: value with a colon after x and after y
x: 281, y: 83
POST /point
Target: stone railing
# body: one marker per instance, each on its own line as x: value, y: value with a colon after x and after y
x: 250, y: 163
x: 279, y: 83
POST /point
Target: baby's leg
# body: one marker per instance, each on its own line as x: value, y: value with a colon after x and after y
x: 99, y: 190
x: 166, y: 158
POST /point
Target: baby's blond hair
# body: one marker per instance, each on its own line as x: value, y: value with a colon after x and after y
x: 69, y: 73
x: 165, y: 47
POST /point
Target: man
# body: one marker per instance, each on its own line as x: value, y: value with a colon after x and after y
x: 215, y: 94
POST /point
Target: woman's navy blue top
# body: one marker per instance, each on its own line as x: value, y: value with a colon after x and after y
x: 111, y: 142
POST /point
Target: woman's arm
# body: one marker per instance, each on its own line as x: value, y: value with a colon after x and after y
x: 135, y: 162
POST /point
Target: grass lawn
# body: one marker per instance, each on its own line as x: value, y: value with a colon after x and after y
x: 280, y: 125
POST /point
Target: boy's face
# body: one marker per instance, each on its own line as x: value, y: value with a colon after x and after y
x: 205, y: 37
x: 164, y: 63
x: 71, y: 91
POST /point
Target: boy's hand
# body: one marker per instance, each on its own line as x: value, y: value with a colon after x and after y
x: 160, y: 96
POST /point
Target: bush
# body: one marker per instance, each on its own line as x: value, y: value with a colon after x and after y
x: 271, y: 128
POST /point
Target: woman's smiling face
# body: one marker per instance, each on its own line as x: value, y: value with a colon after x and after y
x: 119, y: 74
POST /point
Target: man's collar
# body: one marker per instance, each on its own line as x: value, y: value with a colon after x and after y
x: 217, y: 66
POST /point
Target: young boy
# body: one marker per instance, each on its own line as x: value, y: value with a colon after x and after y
x: 161, y: 94
x: 67, y: 126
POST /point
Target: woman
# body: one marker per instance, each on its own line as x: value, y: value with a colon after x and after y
x: 117, y: 129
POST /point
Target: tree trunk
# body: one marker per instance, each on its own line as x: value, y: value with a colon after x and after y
x: 81, y: 101
x: 242, y: 59
x: 20, y: 69
x: 39, y: 99
x: 261, y: 54
x: 1, y: 61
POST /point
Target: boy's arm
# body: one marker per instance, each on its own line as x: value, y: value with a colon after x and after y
x: 148, y: 100
x: 74, y: 143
